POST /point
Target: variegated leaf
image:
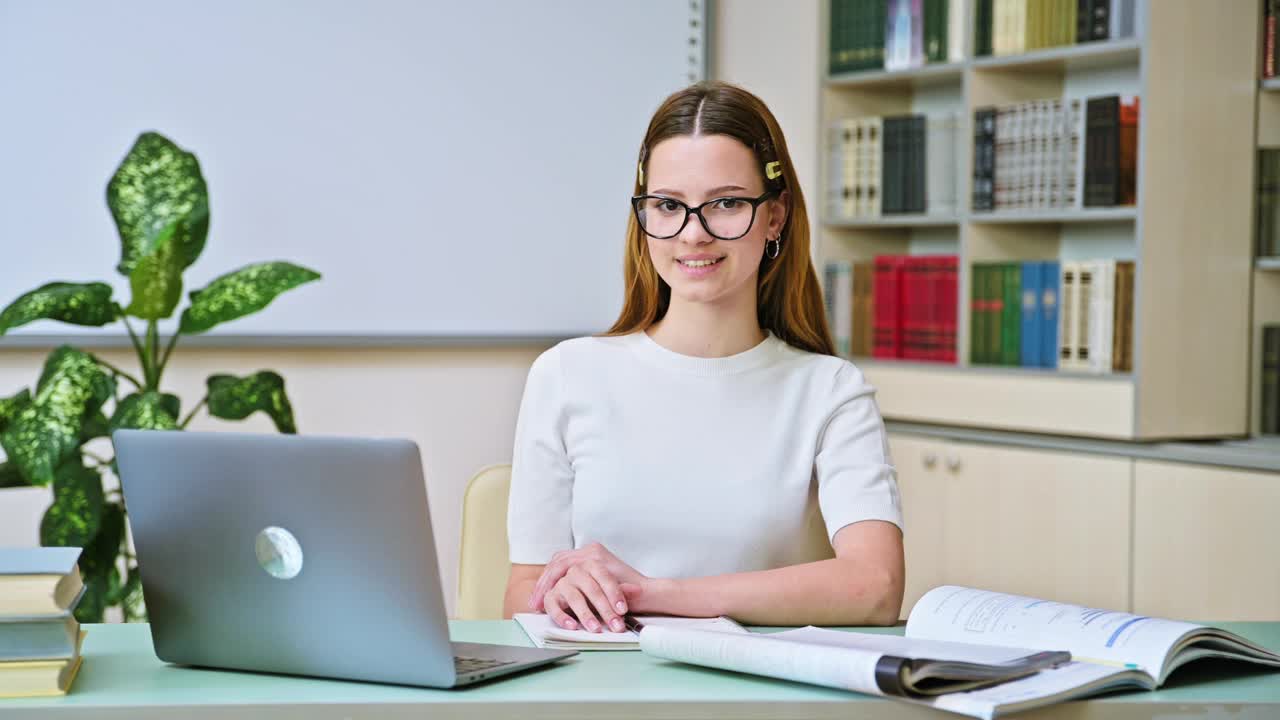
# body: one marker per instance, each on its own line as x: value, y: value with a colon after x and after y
x: 240, y: 293
x: 233, y: 398
x: 47, y: 431
x: 75, y: 303
x: 146, y: 411
x: 9, y: 407
x: 157, y: 280
x: 76, y: 513
x: 157, y: 190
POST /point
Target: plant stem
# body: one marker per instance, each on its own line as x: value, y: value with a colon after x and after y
x: 137, y: 346
x: 164, y: 361
x: 118, y: 371
x: 183, y: 425
x: 153, y: 349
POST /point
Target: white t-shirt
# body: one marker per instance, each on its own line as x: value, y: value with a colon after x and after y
x: 687, y: 467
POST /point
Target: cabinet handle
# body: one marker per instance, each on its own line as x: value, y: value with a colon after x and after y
x: 953, y: 463
x: 930, y: 459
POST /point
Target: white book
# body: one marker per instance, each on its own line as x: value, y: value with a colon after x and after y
x: 1073, y: 168
x: 940, y: 164
x: 838, y: 296
x: 1082, y: 333
x: 957, y: 38
x: 836, y: 189
x: 955, y: 632
x: 872, y: 164
x: 1069, y: 317
x: 546, y: 634
x: 1101, y: 318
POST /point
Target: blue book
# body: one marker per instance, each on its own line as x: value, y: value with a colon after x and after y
x: 1031, y: 316
x: 1049, y: 294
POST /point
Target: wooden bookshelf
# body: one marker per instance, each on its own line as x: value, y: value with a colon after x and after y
x: 1191, y: 228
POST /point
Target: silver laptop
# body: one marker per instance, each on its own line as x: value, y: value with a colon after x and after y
x: 303, y: 555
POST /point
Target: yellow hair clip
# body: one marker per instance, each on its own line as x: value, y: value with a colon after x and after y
x: 640, y: 171
x: 772, y: 170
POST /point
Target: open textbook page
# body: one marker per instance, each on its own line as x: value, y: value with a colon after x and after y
x: 1153, y: 645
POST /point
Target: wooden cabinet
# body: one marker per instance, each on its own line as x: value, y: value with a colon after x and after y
x: 1206, y: 542
x: 1034, y: 522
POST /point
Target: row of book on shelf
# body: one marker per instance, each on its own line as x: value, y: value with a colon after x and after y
x: 1270, y: 12
x: 901, y: 34
x: 1038, y: 155
x: 40, y: 639
x: 1068, y: 315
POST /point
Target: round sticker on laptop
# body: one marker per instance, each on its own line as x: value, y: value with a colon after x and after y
x: 278, y: 552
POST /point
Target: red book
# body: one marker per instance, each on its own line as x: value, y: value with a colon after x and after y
x: 949, y: 304
x: 911, y: 308
x: 888, y: 301
x: 1129, y: 107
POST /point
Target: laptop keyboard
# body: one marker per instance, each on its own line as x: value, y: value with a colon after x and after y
x: 472, y: 664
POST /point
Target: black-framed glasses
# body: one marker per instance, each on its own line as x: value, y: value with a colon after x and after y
x: 724, y: 218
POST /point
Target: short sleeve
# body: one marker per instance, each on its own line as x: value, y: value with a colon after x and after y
x: 855, y: 474
x: 539, y: 509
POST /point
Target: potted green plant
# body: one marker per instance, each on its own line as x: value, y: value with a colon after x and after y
x: 159, y: 201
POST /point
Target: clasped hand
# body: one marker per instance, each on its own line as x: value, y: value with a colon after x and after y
x: 593, y: 584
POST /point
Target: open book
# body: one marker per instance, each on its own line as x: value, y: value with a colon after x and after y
x: 546, y: 634
x: 1110, y: 650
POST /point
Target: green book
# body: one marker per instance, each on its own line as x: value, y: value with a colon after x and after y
x: 977, y: 315
x: 1011, y: 314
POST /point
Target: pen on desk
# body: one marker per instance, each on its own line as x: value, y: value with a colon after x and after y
x: 633, y: 624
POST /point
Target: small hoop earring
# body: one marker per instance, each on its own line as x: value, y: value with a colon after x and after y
x: 772, y: 248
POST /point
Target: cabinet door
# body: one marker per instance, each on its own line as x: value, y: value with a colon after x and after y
x: 1041, y: 523
x: 1205, y: 542
x: 917, y: 462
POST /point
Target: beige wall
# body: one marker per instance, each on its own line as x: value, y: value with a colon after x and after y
x: 459, y: 405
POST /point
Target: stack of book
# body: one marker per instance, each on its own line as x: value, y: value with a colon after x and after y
x: 1075, y: 315
x: 895, y: 34
x: 40, y: 639
x: 1009, y: 27
x: 1056, y: 154
x: 895, y: 306
x: 892, y: 165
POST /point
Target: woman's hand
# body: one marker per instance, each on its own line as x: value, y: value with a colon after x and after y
x: 592, y: 583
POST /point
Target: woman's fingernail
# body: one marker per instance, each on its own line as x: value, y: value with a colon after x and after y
x: 570, y: 625
x: 622, y: 607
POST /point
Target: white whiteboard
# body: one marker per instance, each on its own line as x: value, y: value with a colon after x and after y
x: 454, y: 169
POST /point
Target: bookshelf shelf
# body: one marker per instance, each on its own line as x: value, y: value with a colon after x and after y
x: 924, y: 76
x: 1270, y: 84
x: 987, y: 370
x: 1081, y: 56
x: 892, y: 221
x: 1116, y: 214
x: 1268, y: 263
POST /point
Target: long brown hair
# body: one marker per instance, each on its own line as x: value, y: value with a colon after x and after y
x: 788, y: 297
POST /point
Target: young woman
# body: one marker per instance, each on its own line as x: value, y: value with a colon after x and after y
x: 672, y: 465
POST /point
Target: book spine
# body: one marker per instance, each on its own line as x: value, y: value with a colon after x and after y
x: 1084, y: 21
x: 956, y: 20
x: 984, y: 138
x: 1083, y: 311
x: 1270, y: 400
x: 1127, y: 177
x: 1101, y: 26
x: 1011, y: 315
x: 1051, y: 276
x: 1268, y: 201
x: 1122, y: 348
x: 1102, y: 312
x: 1102, y: 151
x: 977, y: 314
x: 1069, y: 310
x: 911, y: 306
x: 950, y: 306
x: 1269, y: 38
x: 1031, y: 314
x: 982, y: 27
x: 920, y: 146
x: 888, y: 330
